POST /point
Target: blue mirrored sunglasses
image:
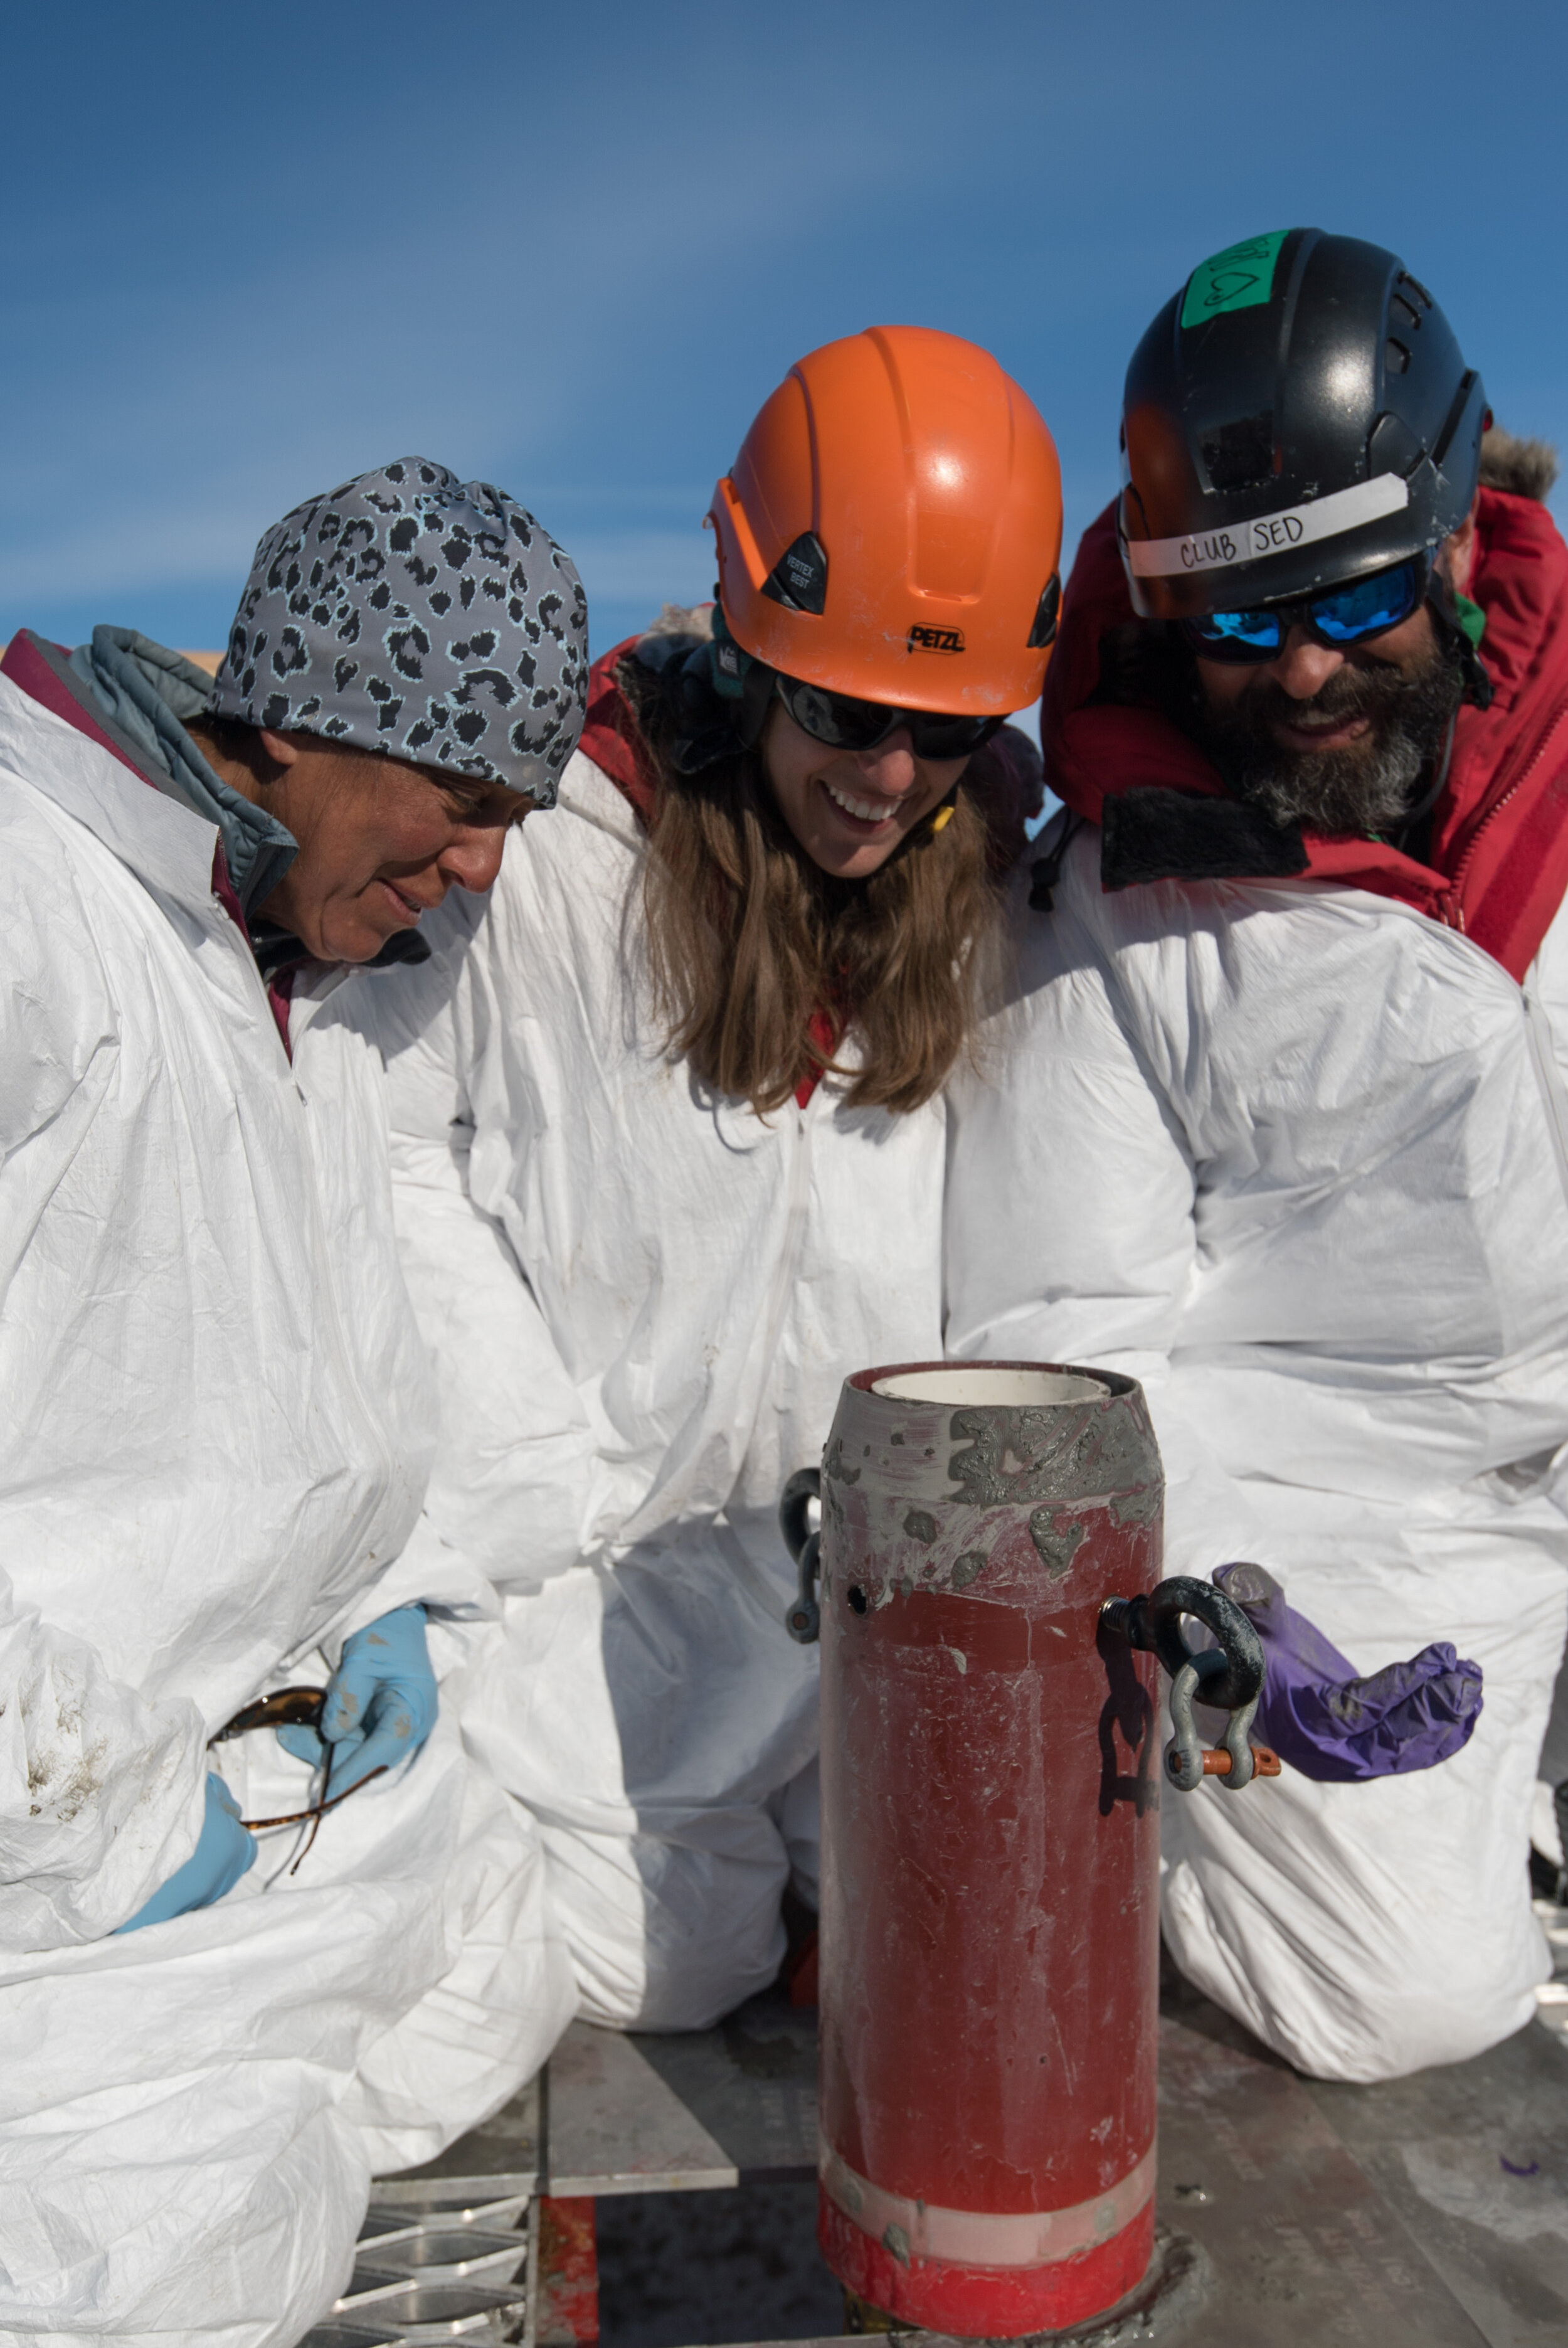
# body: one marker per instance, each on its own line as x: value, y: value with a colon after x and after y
x: 1339, y: 616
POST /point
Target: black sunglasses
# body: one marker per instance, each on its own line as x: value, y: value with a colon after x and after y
x: 843, y: 723
x: 1336, y: 617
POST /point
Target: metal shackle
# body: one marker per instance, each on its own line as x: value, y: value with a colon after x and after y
x: 804, y: 1620
x: 1228, y: 1677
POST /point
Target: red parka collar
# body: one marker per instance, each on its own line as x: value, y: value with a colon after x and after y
x: 1500, y: 835
x: 612, y: 738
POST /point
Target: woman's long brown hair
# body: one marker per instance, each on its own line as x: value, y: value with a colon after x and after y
x: 747, y: 937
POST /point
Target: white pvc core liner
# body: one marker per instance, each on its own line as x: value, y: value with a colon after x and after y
x: 968, y: 1387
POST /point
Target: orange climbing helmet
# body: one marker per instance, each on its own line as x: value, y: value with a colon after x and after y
x: 892, y: 527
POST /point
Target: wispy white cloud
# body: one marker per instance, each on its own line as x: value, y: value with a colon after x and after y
x: 126, y: 551
x: 554, y: 247
x: 151, y: 437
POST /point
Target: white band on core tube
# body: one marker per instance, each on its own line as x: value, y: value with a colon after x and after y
x: 984, y: 2238
x: 1275, y: 533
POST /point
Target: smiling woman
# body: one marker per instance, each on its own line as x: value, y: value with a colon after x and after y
x: 791, y: 887
x: 828, y: 807
x: 669, y: 1136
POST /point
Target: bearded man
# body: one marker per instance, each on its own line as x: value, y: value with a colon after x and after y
x: 1282, y: 1130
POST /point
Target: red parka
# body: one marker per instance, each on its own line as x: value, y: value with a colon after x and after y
x: 1498, y: 868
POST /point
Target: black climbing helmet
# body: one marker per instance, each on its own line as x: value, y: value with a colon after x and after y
x: 1298, y: 415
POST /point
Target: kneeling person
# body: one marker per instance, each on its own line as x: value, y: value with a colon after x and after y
x: 669, y: 1136
x: 1283, y: 1132
x: 218, y: 1419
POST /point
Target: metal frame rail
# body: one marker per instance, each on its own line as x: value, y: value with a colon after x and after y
x: 1430, y: 2213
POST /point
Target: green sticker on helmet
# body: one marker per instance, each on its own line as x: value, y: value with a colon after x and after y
x: 1236, y: 279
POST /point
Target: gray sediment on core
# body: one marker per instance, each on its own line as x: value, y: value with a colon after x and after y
x: 922, y: 1503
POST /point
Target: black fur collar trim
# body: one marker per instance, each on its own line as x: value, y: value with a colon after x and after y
x: 1151, y: 835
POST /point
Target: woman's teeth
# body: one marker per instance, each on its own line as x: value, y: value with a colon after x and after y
x: 868, y: 811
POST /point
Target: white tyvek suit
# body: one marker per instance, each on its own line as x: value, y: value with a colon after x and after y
x: 642, y: 1303
x: 1295, y: 1156
x: 213, y: 1441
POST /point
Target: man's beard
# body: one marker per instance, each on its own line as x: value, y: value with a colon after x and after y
x: 1368, y: 787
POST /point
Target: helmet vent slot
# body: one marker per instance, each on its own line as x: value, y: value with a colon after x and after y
x: 1396, y: 358
x: 1240, y: 455
x: 1044, y: 629
x: 1402, y: 314
x: 798, y: 579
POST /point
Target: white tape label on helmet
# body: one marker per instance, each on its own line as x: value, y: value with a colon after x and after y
x: 1275, y: 533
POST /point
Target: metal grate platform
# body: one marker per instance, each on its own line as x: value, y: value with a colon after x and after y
x: 1431, y: 2212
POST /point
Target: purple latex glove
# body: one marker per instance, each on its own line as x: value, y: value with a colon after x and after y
x: 1332, y: 1725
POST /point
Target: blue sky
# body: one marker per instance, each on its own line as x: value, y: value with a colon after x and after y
x: 569, y: 249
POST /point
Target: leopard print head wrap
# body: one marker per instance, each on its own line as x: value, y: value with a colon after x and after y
x: 420, y: 615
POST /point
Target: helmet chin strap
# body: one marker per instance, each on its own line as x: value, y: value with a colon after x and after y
x: 744, y: 682
x: 1430, y: 798
x: 941, y: 817
x: 1454, y: 614
x: 723, y: 695
x: 1464, y: 622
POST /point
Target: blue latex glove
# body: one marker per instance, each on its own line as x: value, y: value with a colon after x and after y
x: 221, y: 1857
x: 1334, y: 1726
x: 380, y: 1701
